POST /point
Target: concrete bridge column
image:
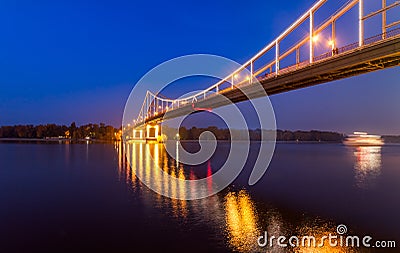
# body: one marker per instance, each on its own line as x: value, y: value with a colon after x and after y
x: 152, y: 132
x: 138, y: 134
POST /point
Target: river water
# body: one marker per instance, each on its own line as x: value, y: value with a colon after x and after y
x: 87, y: 198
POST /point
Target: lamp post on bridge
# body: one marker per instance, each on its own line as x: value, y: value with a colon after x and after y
x: 311, y: 36
x: 360, y: 23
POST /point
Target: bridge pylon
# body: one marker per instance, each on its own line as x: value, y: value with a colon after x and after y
x: 146, y: 133
x: 153, y: 133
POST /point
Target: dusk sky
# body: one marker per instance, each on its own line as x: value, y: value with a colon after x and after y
x: 64, y: 61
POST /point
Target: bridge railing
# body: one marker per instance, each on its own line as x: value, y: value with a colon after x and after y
x: 382, y: 36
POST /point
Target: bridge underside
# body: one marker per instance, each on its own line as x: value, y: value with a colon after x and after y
x: 362, y: 60
x: 369, y: 59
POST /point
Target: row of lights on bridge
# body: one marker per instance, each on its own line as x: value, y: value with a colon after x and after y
x: 236, y: 76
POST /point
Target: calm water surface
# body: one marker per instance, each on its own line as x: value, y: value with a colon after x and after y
x: 87, y: 198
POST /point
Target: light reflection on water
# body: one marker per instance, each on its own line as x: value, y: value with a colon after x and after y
x: 241, y: 222
x: 233, y: 213
x: 319, y: 232
x: 367, y: 166
x: 86, y: 198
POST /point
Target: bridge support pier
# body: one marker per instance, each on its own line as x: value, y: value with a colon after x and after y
x: 138, y: 135
x: 153, y: 133
x: 147, y: 133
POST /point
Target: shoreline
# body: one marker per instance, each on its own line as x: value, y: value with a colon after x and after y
x: 54, y: 140
x: 80, y: 141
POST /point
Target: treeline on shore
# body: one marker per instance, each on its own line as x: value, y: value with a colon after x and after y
x: 391, y: 139
x: 255, y: 134
x: 92, y: 131
x: 281, y: 135
x: 109, y: 133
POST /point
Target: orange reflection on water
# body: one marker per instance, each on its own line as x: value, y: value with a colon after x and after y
x: 367, y: 165
x: 139, y: 169
x: 182, y: 191
x: 150, y: 163
x: 132, y: 160
x: 236, y: 212
x: 118, y: 147
x: 127, y: 172
x: 241, y: 222
x: 321, y: 232
x: 165, y: 168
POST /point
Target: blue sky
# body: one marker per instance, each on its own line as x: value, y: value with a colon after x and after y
x: 64, y: 61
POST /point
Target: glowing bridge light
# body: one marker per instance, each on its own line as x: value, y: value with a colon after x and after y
x: 236, y: 76
x: 315, y: 38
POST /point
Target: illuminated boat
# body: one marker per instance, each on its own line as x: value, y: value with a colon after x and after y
x: 363, y: 139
